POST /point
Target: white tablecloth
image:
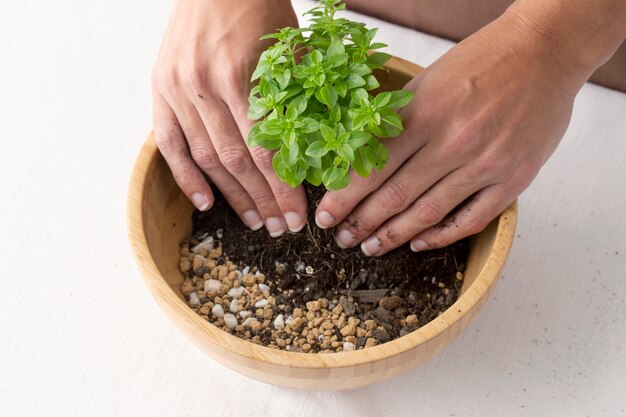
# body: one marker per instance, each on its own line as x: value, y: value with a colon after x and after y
x: 81, y: 336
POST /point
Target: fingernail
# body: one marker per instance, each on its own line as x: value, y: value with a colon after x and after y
x: 324, y: 220
x: 200, y: 201
x: 418, y: 245
x: 253, y: 219
x: 344, y: 239
x: 294, y: 221
x: 274, y: 226
x: 372, y: 246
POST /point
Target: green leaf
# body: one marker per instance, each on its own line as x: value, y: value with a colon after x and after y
x: 316, y: 57
x: 317, y: 149
x: 354, y: 81
x: 314, y: 175
x: 361, y: 164
x: 377, y: 45
x: 255, y: 111
x: 313, y: 161
x: 296, y: 107
x: 327, y: 133
x: 310, y: 125
x: 400, y: 98
x: 358, y: 139
x: 341, y: 89
x: 336, y: 48
x: 327, y: 95
x: 335, y: 115
x: 393, y: 119
x: 335, y: 178
x: 272, y: 127
x: 261, y: 69
x: 360, y: 69
x: 371, y: 82
x: 346, y: 152
x: 360, y: 96
x: 378, y: 59
x: 290, y: 153
x: 381, y: 99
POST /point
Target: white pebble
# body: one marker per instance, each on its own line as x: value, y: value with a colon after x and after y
x: 245, y: 314
x: 245, y: 270
x: 248, y: 322
x: 212, y: 285
x: 279, y: 322
x: 193, y: 299
x: 219, y: 233
x: 347, y: 346
x: 257, y: 273
x: 234, y: 306
x: 309, y: 270
x: 261, y: 303
x: 218, y: 310
x: 264, y: 287
x: 230, y: 321
x: 206, y: 244
x: 235, y: 292
x: 288, y: 320
x: 239, y: 274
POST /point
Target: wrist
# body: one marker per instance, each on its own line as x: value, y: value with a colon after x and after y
x: 578, y: 36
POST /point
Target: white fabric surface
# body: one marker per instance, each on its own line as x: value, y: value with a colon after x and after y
x: 80, y: 334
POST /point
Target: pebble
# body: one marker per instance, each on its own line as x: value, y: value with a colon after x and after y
x: 412, y: 320
x: 459, y: 276
x: 248, y: 280
x: 279, y: 322
x: 264, y: 287
x: 235, y: 292
x: 218, y: 310
x: 348, y: 330
x: 249, y: 322
x: 212, y: 285
x: 389, y: 303
x: 245, y: 270
x: 206, y: 244
x: 261, y: 303
x: 193, y: 299
x: 348, y: 346
x: 234, y: 306
x: 230, y: 321
x: 245, y: 314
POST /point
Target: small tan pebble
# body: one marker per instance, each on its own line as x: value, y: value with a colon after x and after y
x: 259, y: 312
x: 281, y: 343
x: 306, y: 347
x: 316, y: 322
x: 203, y: 252
x: 268, y: 314
x: 313, y: 305
x: 334, y: 337
x: 370, y: 324
x: 441, y: 285
x: 223, y: 271
x: 215, y: 273
x: 211, y: 294
x: 232, y: 267
x: 215, y: 253
x: 217, y: 300
x: 204, y: 310
x: 210, y: 264
x: 348, y: 330
x: 337, y: 309
x: 354, y: 320
x: 297, y: 312
x: 287, y: 329
x: 328, y: 332
x: 198, y: 262
x: 335, y: 344
x: 327, y: 325
x: 459, y: 276
x: 247, y: 334
x: 310, y: 315
x: 325, y: 344
x: 239, y: 328
x: 360, y: 332
x: 271, y: 300
x: 412, y: 320
x: 305, y: 332
x: 369, y: 333
x: 184, y: 266
x: 351, y: 339
x: 187, y: 287
x: 314, y: 331
x: 371, y: 342
x: 389, y: 303
x: 224, y: 288
x: 296, y: 323
x: 248, y: 280
x: 184, y: 251
x: 220, y: 321
x: 260, y: 278
x: 232, y: 276
x: 324, y: 302
x: 266, y: 294
x: 281, y: 306
x: 341, y: 321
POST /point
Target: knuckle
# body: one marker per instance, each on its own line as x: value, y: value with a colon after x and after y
x: 369, y: 182
x: 283, y: 192
x: 391, y: 238
x: 183, y: 176
x: 475, y: 224
x: 163, y: 77
x: 394, y: 196
x: 236, y: 159
x: 360, y: 224
x: 194, y: 78
x: 262, y: 157
x: 428, y: 213
x: 262, y: 198
x: 206, y: 158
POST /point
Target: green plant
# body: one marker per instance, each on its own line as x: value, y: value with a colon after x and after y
x: 317, y: 112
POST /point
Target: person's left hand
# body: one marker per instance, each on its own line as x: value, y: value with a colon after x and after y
x: 485, y: 118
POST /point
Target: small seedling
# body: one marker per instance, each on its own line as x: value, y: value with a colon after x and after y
x: 317, y: 112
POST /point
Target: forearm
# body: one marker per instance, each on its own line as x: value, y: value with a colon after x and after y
x: 581, y: 35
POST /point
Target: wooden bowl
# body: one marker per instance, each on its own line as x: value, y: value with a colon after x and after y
x: 159, y: 217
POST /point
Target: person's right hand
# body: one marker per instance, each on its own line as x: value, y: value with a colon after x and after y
x: 200, y: 83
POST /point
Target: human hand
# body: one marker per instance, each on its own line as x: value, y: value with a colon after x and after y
x: 201, y: 82
x: 485, y: 118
